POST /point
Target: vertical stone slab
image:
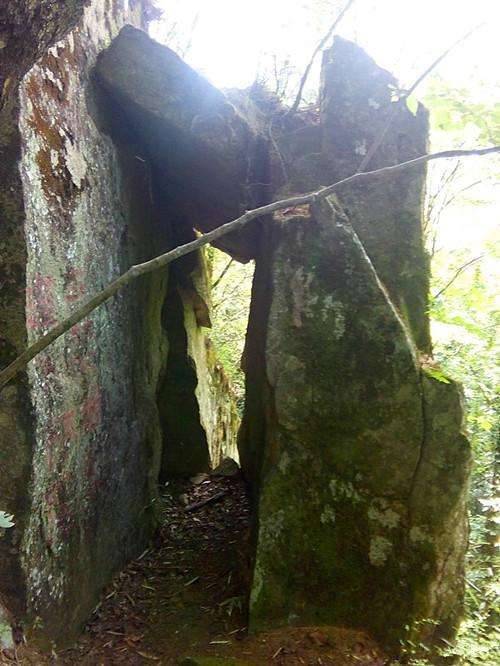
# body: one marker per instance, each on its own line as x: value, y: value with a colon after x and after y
x: 80, y: 483
x: 198, y: 411
x: 348, y: 530
x: 355, y: 104
x: 357, y: 98
x: 26, y: 29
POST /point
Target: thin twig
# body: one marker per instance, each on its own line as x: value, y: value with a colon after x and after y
x: 208, y: 500
x: 404, y: 96
x: 226, y: 268
x: 318, y: 48
x: 457, y: 273
x: 439, y: 59
x: 164, y: 259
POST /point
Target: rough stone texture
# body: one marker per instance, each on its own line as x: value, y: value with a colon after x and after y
x: 198, y: 411
x: 87, y: 206
x: 356, y: 457
x: 356, y: 451
x: 193, y: 133
x: 355, y: 102
x: 26, y: 29
x: 347, y: 444
x: 81, y: 476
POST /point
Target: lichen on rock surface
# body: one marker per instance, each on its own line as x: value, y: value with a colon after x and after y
x: 82, y: 481
x: 358, y: 448
x: 93, y: 448
x: 355, y: 455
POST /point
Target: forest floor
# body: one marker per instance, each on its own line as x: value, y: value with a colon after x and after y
x: 183, y: 601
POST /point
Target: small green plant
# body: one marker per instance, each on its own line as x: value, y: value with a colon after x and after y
x: 232, y: 604
x: 6, y: 520
x: 413, y: 652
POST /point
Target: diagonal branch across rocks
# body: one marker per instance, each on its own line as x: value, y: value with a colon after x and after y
x: 162, y: 260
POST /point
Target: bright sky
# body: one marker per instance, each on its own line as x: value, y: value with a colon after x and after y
x: 232, y: 40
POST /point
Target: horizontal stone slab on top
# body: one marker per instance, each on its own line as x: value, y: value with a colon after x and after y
x: 193, y: 135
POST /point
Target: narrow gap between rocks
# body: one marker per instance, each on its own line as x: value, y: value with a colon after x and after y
x: 183, y: 601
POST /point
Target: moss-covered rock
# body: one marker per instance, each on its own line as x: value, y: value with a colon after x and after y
x: 198, y: 410
x: 349, y: 449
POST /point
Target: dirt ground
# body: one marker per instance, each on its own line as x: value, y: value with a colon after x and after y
x: 184, y: 599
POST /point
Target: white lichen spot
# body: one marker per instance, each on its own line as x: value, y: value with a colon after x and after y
x: 337, y: 308
x: 272, y: 526
x: 384, y: 516
x: 54, y: 50
x: 303, y: 299
x: 257, y: 585
x: 284, y: 463
x: 373, y: 103
x: 344, y: 490
x: 380, y: 549
x: 77, y: 166
x: 328, y: 516
x: 339, y: 320
x: 327, y: 306
x: 50, y: 76
x: 360, y: 148
x: 54, y: 158
x: 418, y: 534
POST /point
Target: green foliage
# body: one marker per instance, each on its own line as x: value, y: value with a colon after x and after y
x: 465, y: 320
x: 437, y: 374
x: 453, y: 109
x: 465, y: 323
x: 231, y: 303
x: 6, y: 520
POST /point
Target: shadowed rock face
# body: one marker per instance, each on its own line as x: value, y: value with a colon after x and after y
x: 192, y: 134
x: 81, y: 477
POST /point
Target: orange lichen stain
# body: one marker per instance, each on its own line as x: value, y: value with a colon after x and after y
x: 293, y: 211
x: 56, y: 180
x: 60, y: 66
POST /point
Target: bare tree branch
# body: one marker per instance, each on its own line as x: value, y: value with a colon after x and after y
x: 404, y: 96
x: 225, y: 270
x: 456, y: 274
x: 318, y: 48
x: 163, y: 260
x: 439, y: 59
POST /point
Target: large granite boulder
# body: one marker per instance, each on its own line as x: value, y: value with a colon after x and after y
x: 356, y: 457
x: 81, y: 432
x: 361, y: 448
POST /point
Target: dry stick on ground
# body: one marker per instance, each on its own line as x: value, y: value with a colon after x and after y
x: 159, y: 262
x: 208, y: 500
x: 318, y: 48
x: 406, y: 93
